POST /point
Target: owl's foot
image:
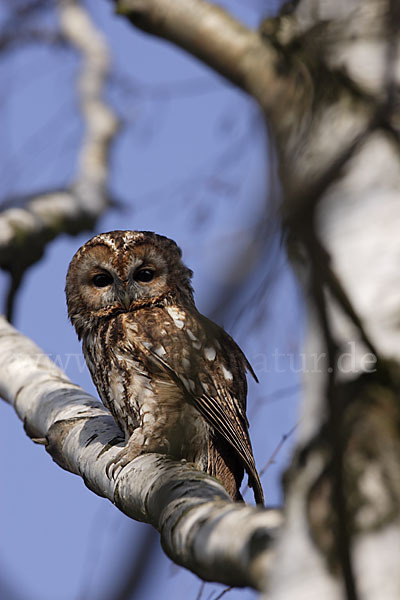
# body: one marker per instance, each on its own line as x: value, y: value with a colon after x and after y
x: 140, y: 442
x: 123, y: 458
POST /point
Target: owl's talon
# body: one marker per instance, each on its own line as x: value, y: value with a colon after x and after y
x: 123, y: 458
x: 113, y: 469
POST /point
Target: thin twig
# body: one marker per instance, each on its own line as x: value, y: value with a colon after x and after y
x: 225, y: 591
x: 278, y: 448
x: 273, y: 456
x: 273, y: 397
x: 26, y: 230
x: 238, y: 53
x: 201, y: 590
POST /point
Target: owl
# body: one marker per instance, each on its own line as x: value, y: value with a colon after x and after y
x: 174, y: 381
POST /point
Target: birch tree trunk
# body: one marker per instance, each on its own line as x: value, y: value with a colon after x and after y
x: 326, y: 75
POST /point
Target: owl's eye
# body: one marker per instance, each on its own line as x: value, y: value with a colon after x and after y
x: 144, y: 275
x: 102, y: 280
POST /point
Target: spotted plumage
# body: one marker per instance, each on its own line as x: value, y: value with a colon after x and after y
x: 173, y: 380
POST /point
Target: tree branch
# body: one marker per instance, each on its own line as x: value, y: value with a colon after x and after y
x: 26, y: 230
x: 201, y: 529
x: 208, y: 32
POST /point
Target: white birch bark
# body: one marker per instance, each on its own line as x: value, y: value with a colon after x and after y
x: 201, y: 529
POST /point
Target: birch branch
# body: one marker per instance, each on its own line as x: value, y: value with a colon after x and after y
x: 201, y: 529
x: 25, y: 231
x: 208, y: 32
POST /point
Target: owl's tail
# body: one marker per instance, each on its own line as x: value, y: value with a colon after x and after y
x: 255, y: 484
x: 224, y: 464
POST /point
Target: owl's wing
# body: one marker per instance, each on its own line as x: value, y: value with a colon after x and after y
x: 211, y: 369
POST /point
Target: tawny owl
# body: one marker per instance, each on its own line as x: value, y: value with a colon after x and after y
x: 174, y: 381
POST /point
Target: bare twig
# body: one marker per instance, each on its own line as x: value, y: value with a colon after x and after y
x: 273, y: 456
x: 11, y: 39
x: 138, y: 564
x: 26, y: 231
x: 201, y: 590
x: 278, y: 448
x: 217, y: 39
x: 225, y: 591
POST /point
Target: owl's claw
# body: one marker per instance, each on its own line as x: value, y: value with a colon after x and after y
x: 113, y: 469
x: 123, y: 458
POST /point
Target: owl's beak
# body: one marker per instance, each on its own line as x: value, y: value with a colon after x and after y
x: 126, y: 300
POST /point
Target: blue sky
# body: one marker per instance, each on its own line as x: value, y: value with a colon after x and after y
x: 192, y: 162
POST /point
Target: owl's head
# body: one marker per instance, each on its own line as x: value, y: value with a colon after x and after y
x: 120, y: 271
